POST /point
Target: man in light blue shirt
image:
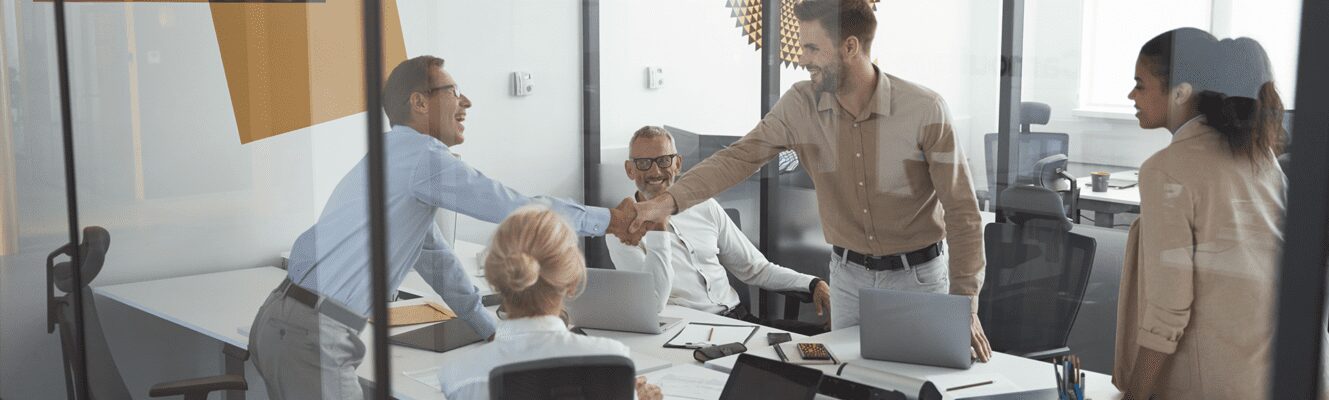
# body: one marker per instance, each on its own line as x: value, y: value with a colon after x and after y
x: 305, y: 339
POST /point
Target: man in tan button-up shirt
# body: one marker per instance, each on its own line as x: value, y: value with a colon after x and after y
x: 891, y: 181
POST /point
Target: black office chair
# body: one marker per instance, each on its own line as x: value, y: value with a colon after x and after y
x: 103, y: 378
x: 1033, y: 147
x: 565, y: 378
x: 1037, y: 272
x: 792, y: 299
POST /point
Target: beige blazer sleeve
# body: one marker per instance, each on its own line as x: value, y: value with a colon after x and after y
x: 1167, y: 260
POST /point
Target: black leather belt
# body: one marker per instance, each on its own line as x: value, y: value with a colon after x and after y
x: 894, y: 262
x: 317, y: 302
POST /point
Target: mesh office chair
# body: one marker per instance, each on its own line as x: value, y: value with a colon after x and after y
x: 103, y: 378
x: 1033, y: 147
x: 565, y: 378
x: 1037, y: 272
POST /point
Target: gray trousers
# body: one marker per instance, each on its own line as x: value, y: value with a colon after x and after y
x: 847, y: 278
x: 302, y: 354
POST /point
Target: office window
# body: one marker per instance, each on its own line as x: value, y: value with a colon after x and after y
x: 1109, y: 51
x: 1108, y: 56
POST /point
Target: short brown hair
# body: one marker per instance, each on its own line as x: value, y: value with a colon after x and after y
x: 411, y: 76
x: 842, y: 19
x: 650, y: 131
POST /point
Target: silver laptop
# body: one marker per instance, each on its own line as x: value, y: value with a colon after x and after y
x: 618, y: 301
x: 915, y: 328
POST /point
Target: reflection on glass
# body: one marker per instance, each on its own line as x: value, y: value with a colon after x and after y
x: 1197, y: 290
x: 891, y: 182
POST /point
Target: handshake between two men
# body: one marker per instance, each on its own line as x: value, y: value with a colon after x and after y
x: 630, y: 220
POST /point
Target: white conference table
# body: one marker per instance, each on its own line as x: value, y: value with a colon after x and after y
x: 222, y: 306
x: 1008, y: 373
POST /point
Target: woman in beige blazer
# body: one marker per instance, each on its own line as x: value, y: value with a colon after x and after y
x: 1197, y: 293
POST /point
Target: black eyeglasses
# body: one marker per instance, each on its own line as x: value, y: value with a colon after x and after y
x: 644, y: 164
x: 453, y: 89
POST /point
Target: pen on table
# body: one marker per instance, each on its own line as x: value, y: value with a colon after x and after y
x: 711, y: 336
x: 969, y: 386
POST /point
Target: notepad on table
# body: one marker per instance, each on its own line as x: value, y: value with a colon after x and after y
x: 700, y: 334
x: 419, y: 314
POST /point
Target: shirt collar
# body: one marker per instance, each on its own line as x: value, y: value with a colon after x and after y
x: 412, y: 131
x: 1193, y: 128
x: 544, y: 323
x: 879, y: 103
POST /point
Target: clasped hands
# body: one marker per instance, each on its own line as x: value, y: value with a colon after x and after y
x: 631, y: 220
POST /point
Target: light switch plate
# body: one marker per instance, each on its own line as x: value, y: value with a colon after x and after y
x: 522, y: 83
x: 654, y: 77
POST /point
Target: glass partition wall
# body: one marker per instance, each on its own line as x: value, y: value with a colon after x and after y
x: 1108, y: 179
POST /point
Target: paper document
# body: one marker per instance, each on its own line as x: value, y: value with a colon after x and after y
x: 691, y: 387
x: 429, y: 377
x: 697, y: 335
x: 689, y: 382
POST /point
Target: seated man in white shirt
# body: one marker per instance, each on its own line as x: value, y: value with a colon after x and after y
x: 690, y: 255
x: 534, y: 264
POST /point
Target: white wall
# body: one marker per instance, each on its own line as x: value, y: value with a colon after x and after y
x: 712, y: 75
x: 160, y: 164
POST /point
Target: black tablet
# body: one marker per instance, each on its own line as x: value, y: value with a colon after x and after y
x: 761, y: 378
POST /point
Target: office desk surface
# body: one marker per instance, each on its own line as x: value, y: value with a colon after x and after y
x: 222, y: 306
x: 1010, y: 373
x: 654, y: 344
x: 1130, y: 197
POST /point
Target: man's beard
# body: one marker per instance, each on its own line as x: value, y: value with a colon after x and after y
x: 830, y: 78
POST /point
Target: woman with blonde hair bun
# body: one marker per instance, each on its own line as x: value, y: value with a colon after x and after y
x: 533, y: 263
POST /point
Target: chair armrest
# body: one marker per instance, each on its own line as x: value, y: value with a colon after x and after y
x: 199, y: 386
x: 236, y: 353
x: 803, y: 297
x: 1047, y: 354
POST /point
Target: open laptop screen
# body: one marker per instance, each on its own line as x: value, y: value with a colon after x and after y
x: 761, y: 378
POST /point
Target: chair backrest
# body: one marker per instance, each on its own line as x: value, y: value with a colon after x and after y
x: 1037, y: 272
x: 564, y: 378
x: 744, y: 292
x: 1034, y: 146
x: 104, y: 380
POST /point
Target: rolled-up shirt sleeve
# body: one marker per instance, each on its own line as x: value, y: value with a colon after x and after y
x: 741, y: 258
x: 442, y: 180
x: 1167, y: 260
x: 651, y: 255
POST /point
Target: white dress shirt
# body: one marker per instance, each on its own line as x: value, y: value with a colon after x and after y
x: 690, y: 259
x: 518, y: 340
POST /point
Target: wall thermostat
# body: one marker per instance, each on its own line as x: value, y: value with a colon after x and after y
x: 522, y: 84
